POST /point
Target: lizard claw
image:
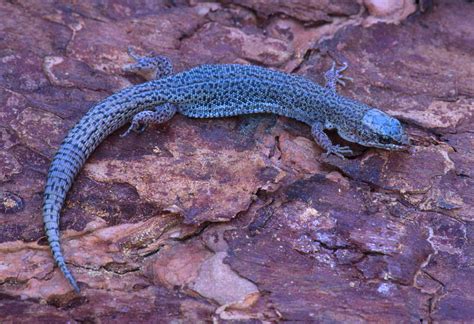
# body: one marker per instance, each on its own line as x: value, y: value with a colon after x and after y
x: 134, y: 127
x: 334, y: 76
x: 338, y: 151
x: 339, y: 76
x: 131, y: 52
x: 341, y: 69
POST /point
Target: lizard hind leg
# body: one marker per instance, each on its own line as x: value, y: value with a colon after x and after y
x: 150, y: 67
x: 334, y: 76
x: 161, y: 114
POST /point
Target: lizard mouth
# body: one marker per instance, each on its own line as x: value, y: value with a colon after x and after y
x: 404, y: 142
x: 395, y: 145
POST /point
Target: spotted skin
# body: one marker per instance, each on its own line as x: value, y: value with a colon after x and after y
x: 161, y: 114
x: 211, y: 91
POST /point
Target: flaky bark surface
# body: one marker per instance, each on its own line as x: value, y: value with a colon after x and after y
x: 240, y: 218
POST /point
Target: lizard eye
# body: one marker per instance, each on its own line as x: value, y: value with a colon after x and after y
x: 385, y: 140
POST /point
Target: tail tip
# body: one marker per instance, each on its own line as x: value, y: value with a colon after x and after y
x: 69, y: 277
x: 74, y: 284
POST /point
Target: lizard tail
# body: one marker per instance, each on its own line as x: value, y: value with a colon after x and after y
x: 82, y: 139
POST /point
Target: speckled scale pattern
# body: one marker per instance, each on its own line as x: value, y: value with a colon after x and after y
x: 81, y: 141
x: 212, y: 91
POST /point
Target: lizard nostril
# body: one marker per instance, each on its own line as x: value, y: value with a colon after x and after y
x: 405, y: 140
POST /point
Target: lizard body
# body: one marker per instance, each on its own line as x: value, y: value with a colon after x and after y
x: 211, y: 91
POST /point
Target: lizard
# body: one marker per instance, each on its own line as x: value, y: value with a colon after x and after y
x: 212, y: 91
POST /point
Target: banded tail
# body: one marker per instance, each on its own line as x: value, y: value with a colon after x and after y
x: 102, y: 120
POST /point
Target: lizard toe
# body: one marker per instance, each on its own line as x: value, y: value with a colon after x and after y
x: 339, y: 151
x: 134, y: 127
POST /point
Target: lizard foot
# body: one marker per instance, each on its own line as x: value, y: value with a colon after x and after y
x: 149, y: 67
x: 161, y: 114
x: 136, y: 127
x: 334, y: 76
x: 338, y: 151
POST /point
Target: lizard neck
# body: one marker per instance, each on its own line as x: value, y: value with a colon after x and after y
x: 343, y: 113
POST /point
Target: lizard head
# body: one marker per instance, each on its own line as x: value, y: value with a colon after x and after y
x: 377, y: 129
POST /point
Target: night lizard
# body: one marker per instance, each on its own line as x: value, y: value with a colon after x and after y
x: 212, y: 91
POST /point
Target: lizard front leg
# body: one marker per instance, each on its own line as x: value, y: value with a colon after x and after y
x: 317, y: 130
x: 334, y: 76
x: 149, y: 67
